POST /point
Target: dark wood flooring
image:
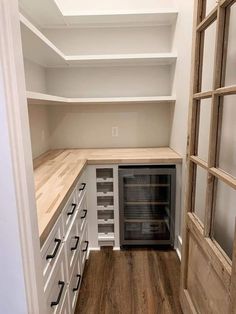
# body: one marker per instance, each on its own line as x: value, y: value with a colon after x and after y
x: 133, y: 281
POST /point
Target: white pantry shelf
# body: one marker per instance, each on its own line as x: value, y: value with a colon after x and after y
x: 122, y: 19
x: 37, y: 48
x: 122, y: 59
x: 45, y: 99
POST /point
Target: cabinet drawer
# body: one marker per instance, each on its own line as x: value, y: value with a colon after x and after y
x: 72, y: 245
x: 51, y: 249
x: 84, y: 246
x: 81, y: 187
x: 57, y: 286
x: 65, y: 309
x: 83, y: 214
x: 74, y: 286
x: 69, y: 212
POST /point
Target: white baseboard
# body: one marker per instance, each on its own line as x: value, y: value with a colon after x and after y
x: 116, y: 248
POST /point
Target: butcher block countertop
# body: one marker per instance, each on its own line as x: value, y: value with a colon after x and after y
x: 56, y: 173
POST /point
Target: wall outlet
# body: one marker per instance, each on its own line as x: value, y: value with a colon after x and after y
x: 114, y: 131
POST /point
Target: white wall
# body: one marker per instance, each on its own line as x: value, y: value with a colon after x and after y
x: 11, y: 267
x: 115, y: 40
x: 183, y: 44
x: 90, y: 126
x: 110, y: 81
x: 35, y: 77
x: 39, y: 129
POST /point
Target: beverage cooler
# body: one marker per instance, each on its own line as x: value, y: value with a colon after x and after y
x: 147, y: 205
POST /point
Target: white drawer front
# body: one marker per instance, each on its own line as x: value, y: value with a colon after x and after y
x: 51, y: 250
x: 65, y: 309
x: 57, y: 286
x: 83, y: 214
x: 69, y: 212
x: 81, y: 187
x: 74, y: 286
x: 84, y: 246
x: 72, y: 245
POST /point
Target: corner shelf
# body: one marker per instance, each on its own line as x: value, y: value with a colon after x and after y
x: 45, y: 99
x: 37, y: 48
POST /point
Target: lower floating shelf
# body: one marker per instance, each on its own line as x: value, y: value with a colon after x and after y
x: 45, y: 99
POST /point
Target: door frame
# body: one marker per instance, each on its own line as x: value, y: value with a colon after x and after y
x: 202, y: 234
x: 19, y: 157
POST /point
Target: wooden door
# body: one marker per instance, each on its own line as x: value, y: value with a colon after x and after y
x: 208, y: 269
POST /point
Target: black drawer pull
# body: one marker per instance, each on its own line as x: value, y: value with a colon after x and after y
x: 77, y: 287
x: 83, y: 185
x: 85, y: 213
x: 62, y: 284
x: 50, y: 256
x: 73, y: 209
x: 76, y: 244
x: 86, y: 249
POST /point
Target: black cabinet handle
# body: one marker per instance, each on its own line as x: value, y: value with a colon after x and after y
x: 73, y: 209
x: 62, y: 284
x: 77, y: 287
x: 83, y: 185
x: 76, y: 244
x: 87, y: 243
x: 85, y: 213
x: 50, y: 256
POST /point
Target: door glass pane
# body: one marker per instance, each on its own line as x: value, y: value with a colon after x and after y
x: 204, y: 128
x: 200, y: 193
x: 230, y: 77
x: 210, y: 5
x: 208, y: 58
x: 147, y: 206
x: 227, y: 157
x: 225, y: 213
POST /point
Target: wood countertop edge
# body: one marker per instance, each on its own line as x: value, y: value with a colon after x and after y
x: 52, y: 220
x: 94, y: 161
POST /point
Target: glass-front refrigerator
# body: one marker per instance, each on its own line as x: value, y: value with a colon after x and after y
x: 147, y: 205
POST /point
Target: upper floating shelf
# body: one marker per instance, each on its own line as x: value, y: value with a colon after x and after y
x: 121, y: 19
x: 37, y: 48
x: 45, y: 99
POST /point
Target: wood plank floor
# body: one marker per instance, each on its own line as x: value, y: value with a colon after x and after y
x: 133, y: 281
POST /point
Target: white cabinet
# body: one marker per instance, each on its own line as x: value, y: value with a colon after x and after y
x: 69, y: 212
x: 65, y: 309
x: 103, y: 204
x: 74, y: 285
x: 51, y: 250
x: 64, y: 253
x: 84, y: 247
x: 72, y: 242
x: 57, y: 285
